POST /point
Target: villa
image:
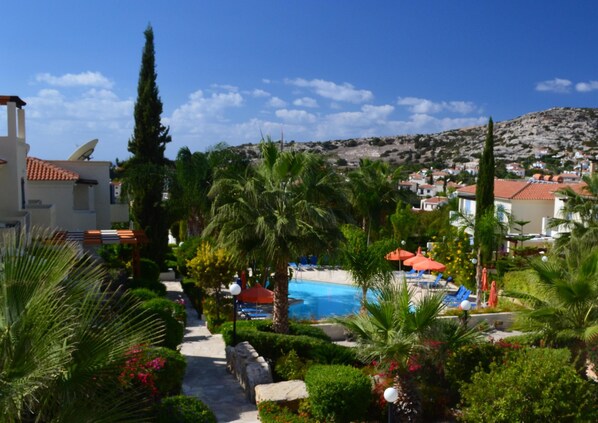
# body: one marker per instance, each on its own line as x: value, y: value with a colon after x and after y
x: 71, y: 195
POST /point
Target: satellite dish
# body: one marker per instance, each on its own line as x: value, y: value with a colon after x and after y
x: 84, y: 152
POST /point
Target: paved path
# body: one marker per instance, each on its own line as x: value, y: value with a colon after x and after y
x: 206, y: 377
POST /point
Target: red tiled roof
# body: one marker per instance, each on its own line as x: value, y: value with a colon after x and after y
x: 40, y: 170
x: 436, y: 200
x: 521, y: 190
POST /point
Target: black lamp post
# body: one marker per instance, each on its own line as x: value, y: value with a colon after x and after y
x: 235, y: 289
x: 391, y: 395
x: 465, y: 306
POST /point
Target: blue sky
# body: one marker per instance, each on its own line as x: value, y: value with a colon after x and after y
x: 311, y: 69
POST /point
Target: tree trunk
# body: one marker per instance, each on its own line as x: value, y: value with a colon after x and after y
x: 281, y: 299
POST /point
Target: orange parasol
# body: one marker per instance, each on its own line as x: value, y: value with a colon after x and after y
x: 256, y: 294
x: 429, y: 264
x: 399, y: 254
x: 411, y: 261
x: 484, y: 280
x: 493, y: 299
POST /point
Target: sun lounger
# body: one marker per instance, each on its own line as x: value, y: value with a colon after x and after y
x: 432, y: 284
x: 419, y: 275
x: 454, y: 301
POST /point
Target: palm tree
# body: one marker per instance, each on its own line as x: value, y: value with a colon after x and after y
x: 63, y: 337
x: 365, y: 263
x: 374, y: 193
x: 286, y: 206
x: 565, y: 308
x: 394, y: 329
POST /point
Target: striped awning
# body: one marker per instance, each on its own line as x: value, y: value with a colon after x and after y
x: 104, y: 236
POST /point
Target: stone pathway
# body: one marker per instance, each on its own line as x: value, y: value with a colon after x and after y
x: 206, y: 377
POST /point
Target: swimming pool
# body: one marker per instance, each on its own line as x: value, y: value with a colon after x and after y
x: 321, y: 299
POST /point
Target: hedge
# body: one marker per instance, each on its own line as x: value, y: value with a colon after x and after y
x: 183, y: 409
x: 168, y: 311
x: 194, y: 293
x: 338, y: 393
x: 538, y: 385
x: 274, y: 345
x: 168, y: 379
x: 271, y: 412
x: 143, y: 294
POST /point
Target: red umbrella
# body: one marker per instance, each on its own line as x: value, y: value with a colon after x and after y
x: 243, y: 280
x: 493, y: 299
x: 429, y: 264
x: 257, y: 294
x: 411, y: 261
x: 484, y: 280
x: 399, y: 254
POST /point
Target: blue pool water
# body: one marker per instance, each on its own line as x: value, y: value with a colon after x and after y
x: 321, y: 300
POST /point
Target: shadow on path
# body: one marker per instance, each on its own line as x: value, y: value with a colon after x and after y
x: 206, y: 376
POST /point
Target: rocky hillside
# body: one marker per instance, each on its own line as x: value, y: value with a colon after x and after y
x: 560, y: 132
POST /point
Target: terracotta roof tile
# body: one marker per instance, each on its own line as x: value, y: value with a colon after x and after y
x: 40, y: 170
x: 521, y: 190
x: 436, y: 200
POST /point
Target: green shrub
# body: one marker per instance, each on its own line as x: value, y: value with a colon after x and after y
x: 274, y: 345
x: 538, y: 384
x: 183, y: 409
x: 521, y: 281
x: 290, y: 366
x: 271, y: 412
x: 172, y: 314
x: 195, y: 294
x: 169, y: 379
x: 185, y: 252
x: 149, y: 270
x: 153, y: 285
x: 469, y: 359
x: 526, y: 340
x: 143, y: 294
x: 338, y: 393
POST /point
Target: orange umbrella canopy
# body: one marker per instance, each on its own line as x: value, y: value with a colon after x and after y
x: 429, y: 264
x: 411, y: 261
x: 484, y: 280
x: 257, y: 294
x: 399, y: 254
x: 493, y: 299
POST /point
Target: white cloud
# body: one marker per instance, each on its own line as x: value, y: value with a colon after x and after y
x: 57, y: 123
x: 266, y: 81
x: 199, y: 107
x: 424, y: 106
x: 584, y: 87
x: 276, y: 102
x: 327, y: 89
x: 224, y: 87
x: 84, y: 79
x: 295, y: 116
x: 306, y: 102
x: 556, y: 85
x: 259, y: 93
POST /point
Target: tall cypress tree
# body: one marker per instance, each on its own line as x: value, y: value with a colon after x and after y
x: 146, y: 170
x: 484, y: 193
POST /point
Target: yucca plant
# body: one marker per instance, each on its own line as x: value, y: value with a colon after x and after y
x: 63, y: 335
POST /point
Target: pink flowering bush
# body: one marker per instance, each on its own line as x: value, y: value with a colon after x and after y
x: 158, y: 371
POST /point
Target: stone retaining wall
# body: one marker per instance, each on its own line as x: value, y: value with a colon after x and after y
x: 248, y: 367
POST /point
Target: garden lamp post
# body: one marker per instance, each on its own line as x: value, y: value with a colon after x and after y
x: 391, y: 395
x: 235, y: 289
x: 465, y: 306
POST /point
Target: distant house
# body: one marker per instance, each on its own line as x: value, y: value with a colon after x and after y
x: 426, y: 190
x: 569, y: 177
x: 532, y: 200
x: 429, y: 204
x: 516, y: 169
